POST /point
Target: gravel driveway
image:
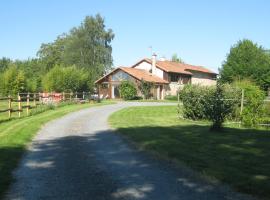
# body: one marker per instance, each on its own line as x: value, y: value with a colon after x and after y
x: 79, y: 157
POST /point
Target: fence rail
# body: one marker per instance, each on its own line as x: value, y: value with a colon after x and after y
x: 25, y: 102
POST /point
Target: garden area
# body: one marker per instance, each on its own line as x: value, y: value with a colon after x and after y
x: 238, y: 156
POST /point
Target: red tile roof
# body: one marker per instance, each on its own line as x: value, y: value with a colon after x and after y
x: 143, y: 74
x: 139, y: 74
x: 175, y: 67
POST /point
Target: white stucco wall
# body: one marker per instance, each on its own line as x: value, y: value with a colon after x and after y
x: 202, y: 79
x: 146, y: 66
x: 143, y: 65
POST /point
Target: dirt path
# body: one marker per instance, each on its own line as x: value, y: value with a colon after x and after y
x: 79, y: 157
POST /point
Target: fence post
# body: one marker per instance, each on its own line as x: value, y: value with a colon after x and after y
x: 35, y: 96
x: 40, y: 98
x: 83, y: 95
x: 19, y: 105
x: 27, y: 104
x: 70, y: 94
x: 9, y: 106
x: 76, y: 96
x: 63, y: 96
x: 242, y: 102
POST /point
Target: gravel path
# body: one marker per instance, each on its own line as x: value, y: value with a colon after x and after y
x: 79, y: 157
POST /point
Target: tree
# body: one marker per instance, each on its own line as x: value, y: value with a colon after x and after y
x: 87, y: 46
x: 247, y: 60
x: 20, y: 82
x: 175, y: 58
x: 4, y: 62
x: 51, y: 54
x: 12, y: 81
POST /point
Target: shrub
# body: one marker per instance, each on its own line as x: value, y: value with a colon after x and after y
x: 218, y: 107
x: 253, y: 105
x: 127, y: 90
x: 194, y: 99
x: 210, y: 103
x: 145, y: 88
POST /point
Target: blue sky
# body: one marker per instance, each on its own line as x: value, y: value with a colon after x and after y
x: 200, y: 32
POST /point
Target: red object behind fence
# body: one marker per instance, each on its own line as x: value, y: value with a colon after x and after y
x: 51, y: 97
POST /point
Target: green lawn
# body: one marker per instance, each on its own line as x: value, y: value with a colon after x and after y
x: 16, y: 133
x: 239, y: 157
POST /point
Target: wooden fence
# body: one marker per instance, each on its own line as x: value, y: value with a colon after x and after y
x: 25, y: 102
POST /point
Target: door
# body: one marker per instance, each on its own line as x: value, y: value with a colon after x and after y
x: 115, y: 92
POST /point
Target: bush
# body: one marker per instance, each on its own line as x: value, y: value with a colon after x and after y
x: 66, y: 79
x: 194, y: 99
x: 127, y: 90
x: 210, y: 103
x: 218, y: 107
x: 253, y: 105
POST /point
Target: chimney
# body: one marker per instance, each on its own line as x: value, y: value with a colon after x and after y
x: 162, y: 58
x: 154, y: 61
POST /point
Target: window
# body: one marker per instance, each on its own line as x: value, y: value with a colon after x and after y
x: 180, y: 78
x: 120, y: 75
x: 174, y: 77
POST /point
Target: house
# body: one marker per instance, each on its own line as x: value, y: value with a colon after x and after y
x: 167, y: 77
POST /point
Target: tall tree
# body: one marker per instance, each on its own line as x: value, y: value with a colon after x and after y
x: 4, y: 62
x: 176, y: 58
x: 51, y: 54
x: 87, y: 46
x: 12, y: 81
x: 247, y: 60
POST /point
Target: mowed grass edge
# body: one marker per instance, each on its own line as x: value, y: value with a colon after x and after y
x: 17, y: 133
x: 236, y: 156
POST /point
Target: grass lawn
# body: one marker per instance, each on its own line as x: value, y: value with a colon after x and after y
x: 237, y: 156
x: 17, y: 133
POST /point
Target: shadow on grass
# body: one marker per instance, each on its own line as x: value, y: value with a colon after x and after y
x: 103, y: 166
x: 239, y: 157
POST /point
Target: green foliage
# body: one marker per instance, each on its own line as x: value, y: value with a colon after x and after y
x: 247, y: 60
x: 194, y: 99
x: 127, y: 90
x: 51, y: 53
x: 218, y: 107
x: 4, y: 63
x: 12, y: 81
x: 253, y: 105
x: 20, y: 82
x: 86, y: 46
x: 145, y: 88
x: 176, y: 58
x: 209, y: 103
x: 67, y: 79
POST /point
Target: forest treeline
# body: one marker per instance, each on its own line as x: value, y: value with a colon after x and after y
x: 70, y: 63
